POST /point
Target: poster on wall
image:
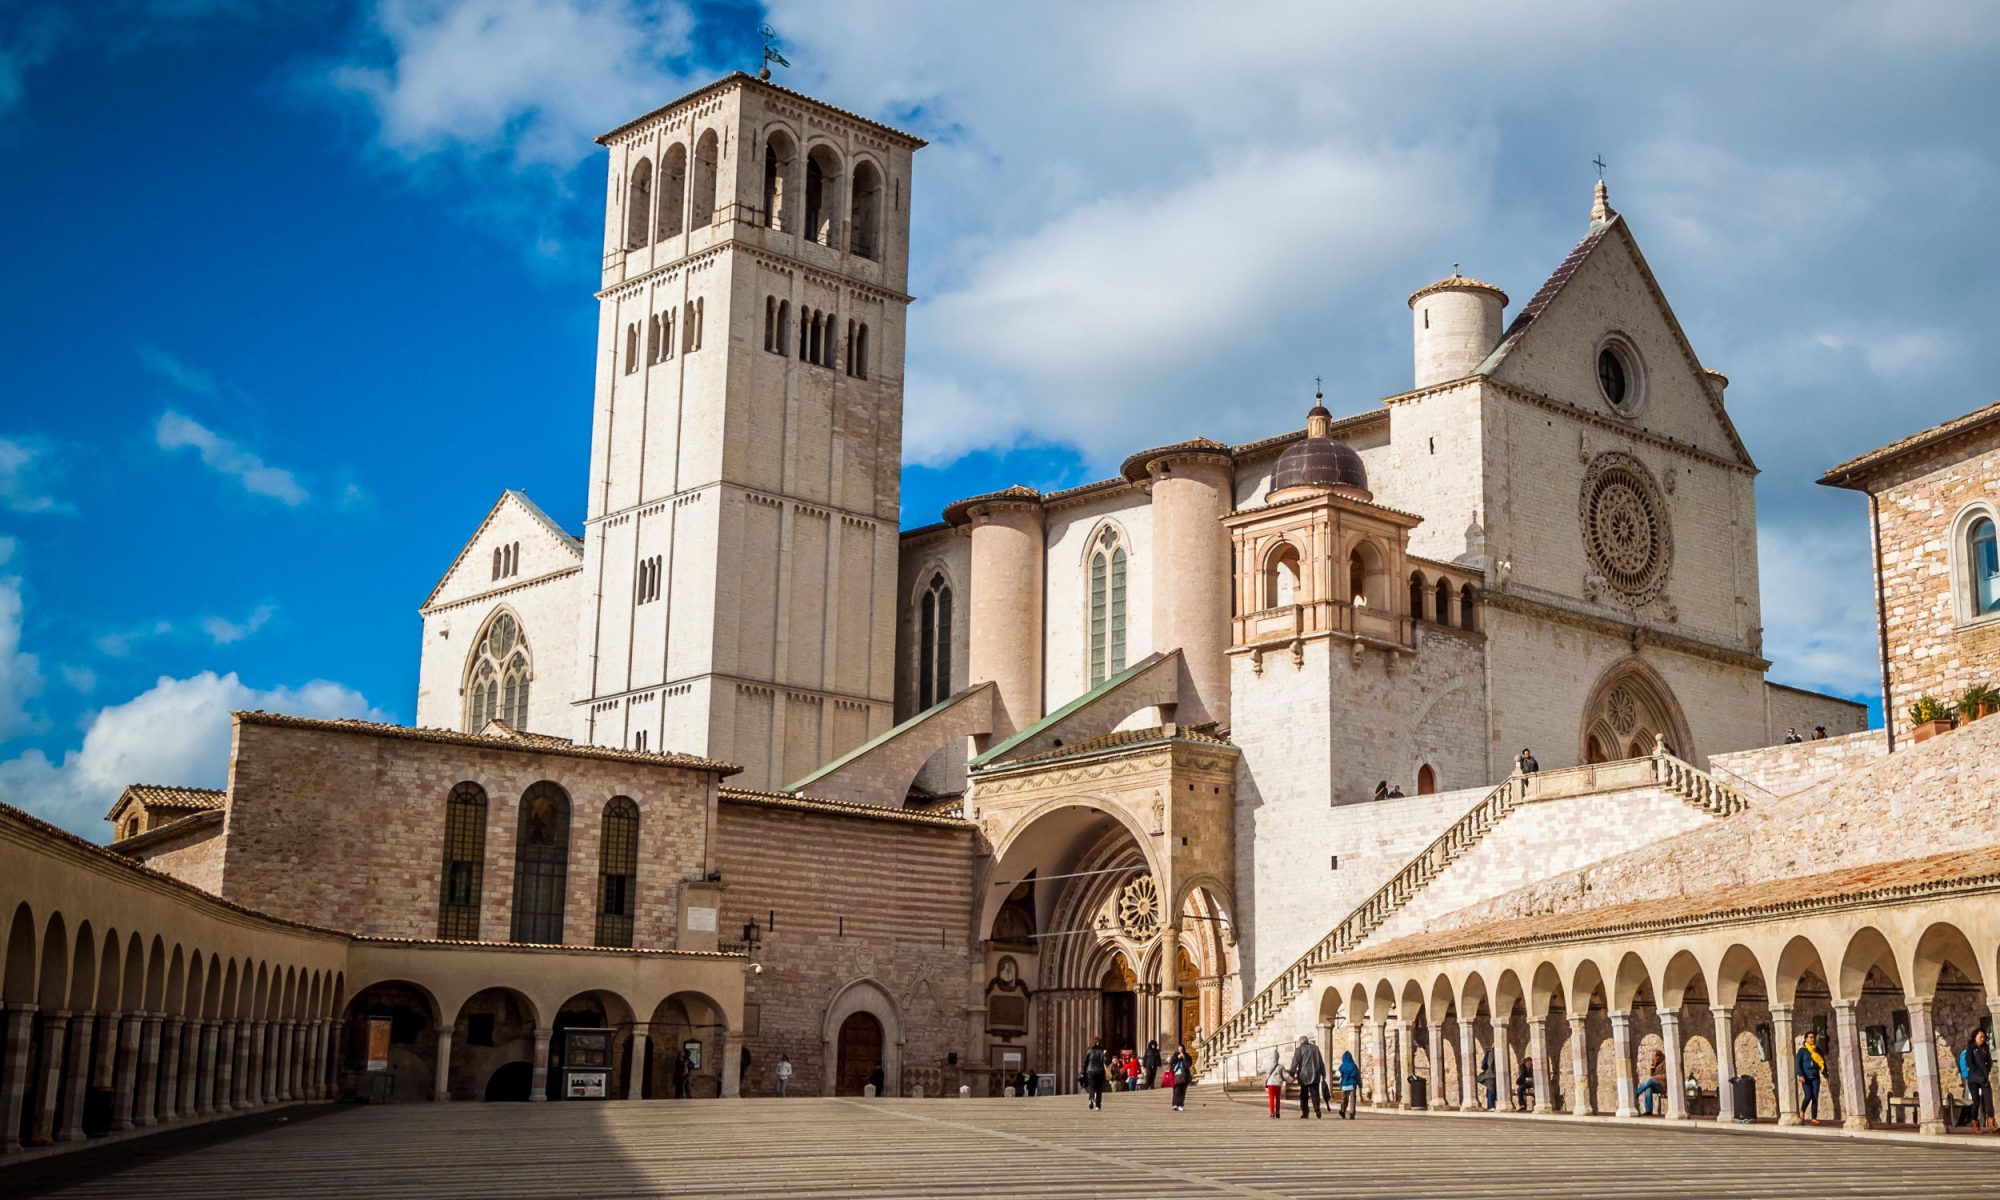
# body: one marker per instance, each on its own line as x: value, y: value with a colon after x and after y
x: 588, y: 1085
x: 378, y: 1043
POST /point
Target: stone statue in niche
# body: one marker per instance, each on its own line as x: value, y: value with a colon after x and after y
x: 1007, y: 1000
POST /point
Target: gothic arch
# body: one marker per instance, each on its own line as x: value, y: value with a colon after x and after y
x: 1283, y: 574
x: 863, y: 995
x: 1107, y: 590
x: 495, y: 680
x: 1631, y: 703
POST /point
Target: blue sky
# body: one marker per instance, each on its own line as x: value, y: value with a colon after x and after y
x: 297, y: 289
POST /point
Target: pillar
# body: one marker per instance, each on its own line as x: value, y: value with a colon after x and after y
x: 104, y: 1070
x: 288, y: 1033
x: 14, y: 1074
x: 1378, y: 1036
x: 635, y: 1083
x: 1621, y: 1046
x: 1406, y: 1062
x: 47, y: 1078
x: 539, y: 1087
x: 145, y: 1107
x: 267, y: 1070
x: 1503, y: 1065
x: 1847, y: 1056
x: 732, y: 1066
x: 213, y: 1074
x: 1538, y: 1051
x: 190, y: 1068
x: 228, y: 1073
x: 126, y: 1080
x: 1192, y: 578
x: 1725, y: 1061
x: 1670, y: 1036
x: 441, y: 1081
x: 1923, y: 1044
x: 1469, y: 1099
x: 1170, y: 980
x: 1784, y: 1066
x: 170, y: 1068
x: 1580, y: 1101
x: 76, y: 1085
x: 322, y: 1044
x: 1008, y: 560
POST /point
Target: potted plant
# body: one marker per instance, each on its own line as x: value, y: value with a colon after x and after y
x: 1929, y: 717
x: 1978, y: 701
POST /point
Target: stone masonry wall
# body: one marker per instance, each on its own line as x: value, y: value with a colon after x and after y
x: 1782, y: 770
x: 197, y: 862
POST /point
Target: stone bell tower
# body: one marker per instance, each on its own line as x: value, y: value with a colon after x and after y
x: 746, y: 442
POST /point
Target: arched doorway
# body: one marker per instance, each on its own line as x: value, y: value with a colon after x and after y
x: 1118, y: 1007
x: 1629, y: 710
x: 859, y: 1053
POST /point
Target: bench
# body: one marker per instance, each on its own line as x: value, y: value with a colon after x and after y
x: 1702, y: 1103
x: 1900, y: 1110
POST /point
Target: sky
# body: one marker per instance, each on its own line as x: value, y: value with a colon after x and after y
x: 295, y: 289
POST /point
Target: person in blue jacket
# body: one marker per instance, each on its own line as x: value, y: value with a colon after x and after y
x: 1350, y: 1086
x: 1811, y: 1064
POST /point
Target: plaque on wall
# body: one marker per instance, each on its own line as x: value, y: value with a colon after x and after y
x: 701, y: 920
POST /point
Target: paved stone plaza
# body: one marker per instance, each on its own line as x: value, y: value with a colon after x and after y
x: 803, y: 1148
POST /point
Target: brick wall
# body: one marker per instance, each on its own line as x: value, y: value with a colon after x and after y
x: 197, y: 861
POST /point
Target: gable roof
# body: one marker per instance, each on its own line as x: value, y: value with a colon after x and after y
x: 163, y: 795
x: 1855, y: 472
x: 573, y: 544
x: 1612, y: 224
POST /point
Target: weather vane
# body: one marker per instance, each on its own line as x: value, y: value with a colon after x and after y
x: 769, y: 36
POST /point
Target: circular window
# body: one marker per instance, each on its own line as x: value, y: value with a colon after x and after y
x: 1619, y: 376
x: 1139, y: 907
x: 1625, y: 530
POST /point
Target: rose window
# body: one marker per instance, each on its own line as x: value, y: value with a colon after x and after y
x: 1625, y: 527
x: 1139, y: 907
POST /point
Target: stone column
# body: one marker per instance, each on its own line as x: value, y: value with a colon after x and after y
x: 732, y: 1067
x: 539, y: 1086
x: 1581, y: 1102
x: 635, y: 1083
x: 1725, y: 1061
x: 47, y: 1079
x: 170, y: 1068
x: 1621, y: 1046
x: 1008, y: 560
x: 1847, y: 1055
x: 1406, y: 1062
x: 1670, y: 1035
x: 1378, y: 1036
x: 104, y: 1071
x: 1503, y: 1065
x: 267, y: 1061
x: 441, y: 1080
x: 1784, y: 1067
x: 212, y: 1075
x: 14, y: 1074
x: 145, y: 1109
x: 288, y: 1036
x: 76, y: 1085
x: 228, y: 1068
x: 1469, y: 1099
x: 127, y: 1084
x: 323, y: 1058
x: 190, y: 1101
x: 1538, y: 1051
x: 1169, y: 1003
x: 1923, y: 1044
x: 1192, y: 491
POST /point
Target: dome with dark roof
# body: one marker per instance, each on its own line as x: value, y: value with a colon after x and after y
x: 1319, y: 460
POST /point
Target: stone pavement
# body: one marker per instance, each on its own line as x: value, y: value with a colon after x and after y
x: 803, y: 1149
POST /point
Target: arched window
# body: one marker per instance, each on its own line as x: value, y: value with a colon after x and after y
x: 1417, y: 592
x: 864, y: 219
x: 934, y: 643
x: 1107, y: 606
x: 822, y: 195
x: 496, y: 562
x: 498, y: 675
x: 703, y: 197
x: 819, y: 328
x: 618, y: 872
x: 1442, y: 615
x: 1468, y: 608
x: 850, y: 346
x: 779, y: 151
x: 770, y: 321
x: 132, y: 828
x: 1427, y: 780
x: 652, y: 339
x: 464, y: 863
x: 1281, y: 576
x: 700, y: 308
x: 861, y: 353
x: 673, y: 189
x: 1983, y: 557
x: 639, y: 205
x: 631, y: 347
x: 1367, y: 586
x: 541, y: 865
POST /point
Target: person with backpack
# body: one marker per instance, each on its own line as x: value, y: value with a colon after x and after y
x: 1811, y: 1066
x: 1975, y: 1063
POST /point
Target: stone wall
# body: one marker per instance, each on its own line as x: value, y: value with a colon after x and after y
x: 847, y: 900
x: 195, y: 860
x: 1795, y: 708
x: 1782, y: 770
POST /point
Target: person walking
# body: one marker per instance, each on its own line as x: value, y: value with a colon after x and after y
x: 1524, y: 1086
x: 1274, y: 1083
x: 784, y: 1073
x: 1180, y: 1073
x: 1978, y: 1065
x: 1811, y: 1065
x: 683, y: 1073
x: 1309, y: 1068
x: 1350, y: 1086
x: 1487, y: 1077
x: 1152, y: 1064
x: 1654, y: 1084
x: 1095, y: 1069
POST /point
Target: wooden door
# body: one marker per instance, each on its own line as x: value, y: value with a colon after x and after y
x: 860, y: 1053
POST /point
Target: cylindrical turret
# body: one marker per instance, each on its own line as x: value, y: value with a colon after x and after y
x: 1457, y: 324
x: 1193, y: 489
x: 1008, y: 554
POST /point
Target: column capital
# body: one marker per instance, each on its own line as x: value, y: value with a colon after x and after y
x: 1623, y: 1017
x: 1846, y: 1006
x: 1781, y: 1012
x: 1667, y: 1014
x: 1722, y: 1010
x: 58, y: 1014
x: 1915, y: 1006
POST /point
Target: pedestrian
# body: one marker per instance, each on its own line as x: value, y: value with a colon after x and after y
x: 1488, y: 1077
x: 1133, y: 1071
x: 876, y: 1079
x: 1309, y: 1068
x: 1811, y: 1065
x: 1096, y: 1066
x: 1654, y: 1084
x: 1524, y: 1086
x: 1180, y: 1073
x: 1977, y: 1063
x: 1152, y: 1064
x: 1819, y: 733
x: 1525, y: 763
x: 784, y: 1073
x: 1382, y: 790
x: 1792, y: 737
x: 1274, y: 1083
x: 742, y: 1067
x: 1396, y: 792
x: 1350, y: 1086
x: 683, y: 1073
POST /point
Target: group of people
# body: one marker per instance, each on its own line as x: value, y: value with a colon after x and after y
x: 1385, y: 792
x: 1103, y: 1071
x: 1316, y: 1086
x: 1792, y: 737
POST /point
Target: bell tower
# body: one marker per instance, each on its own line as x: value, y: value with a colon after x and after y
x: 746, y: 439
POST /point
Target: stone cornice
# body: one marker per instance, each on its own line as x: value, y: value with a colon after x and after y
x: 636, y: 283
x: 665, y: 114
x: 1516, y: 603
x: 1656, y: 440
x: 430, y: 610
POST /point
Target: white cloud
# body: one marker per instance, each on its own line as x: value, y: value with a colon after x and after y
x: 120, y: 643
x: 174, y: 431
x: 186, y: 377
x: 20, y: 673
x: 1819, y: 609
x: 175, y: 732
x: 222, y: 631
x: 81, y: 680
x: 25, y: 464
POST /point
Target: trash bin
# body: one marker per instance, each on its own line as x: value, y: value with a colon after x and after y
x: 1419, y: 1092
x: 1743, y: 1094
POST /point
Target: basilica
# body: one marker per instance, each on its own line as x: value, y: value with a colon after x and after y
x: 753, y: 765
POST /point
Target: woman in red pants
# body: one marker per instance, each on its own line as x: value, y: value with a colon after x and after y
x: 1274, y: 1085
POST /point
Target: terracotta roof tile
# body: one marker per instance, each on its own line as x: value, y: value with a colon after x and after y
x: 839, y: 808
x: 1855, y: 470
x: 165, y: 795
x: 512, y: 740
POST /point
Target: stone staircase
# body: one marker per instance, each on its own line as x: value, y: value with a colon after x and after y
x: 1670, y: 774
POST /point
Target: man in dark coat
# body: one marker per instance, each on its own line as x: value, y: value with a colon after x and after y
x: 1152, y: 1064
x: 1096, y: 1065
x: 1310, y: 1071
